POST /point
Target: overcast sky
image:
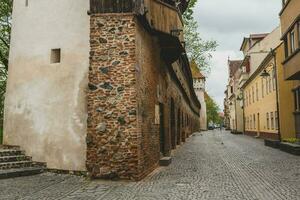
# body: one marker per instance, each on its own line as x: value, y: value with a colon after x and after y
x: 228, y: 22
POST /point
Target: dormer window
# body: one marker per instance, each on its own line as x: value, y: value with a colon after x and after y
x: 284, y: 2
x: 244, y: 69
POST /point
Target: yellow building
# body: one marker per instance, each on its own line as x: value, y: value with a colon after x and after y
x: 290, y: 28
x: 260, y: 104
x: 286, y: 99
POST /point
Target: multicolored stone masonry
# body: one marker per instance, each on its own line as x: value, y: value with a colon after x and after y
x: 112, y: 141
x: 137, y: 109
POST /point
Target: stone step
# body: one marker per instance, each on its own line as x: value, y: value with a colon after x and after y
x: 3, y: 146
x: 12, y: 173
x: 11, y: 152
x: 17, y: 164
x: 5, y: 159
x: 165, y: 161
x: 39, y: 164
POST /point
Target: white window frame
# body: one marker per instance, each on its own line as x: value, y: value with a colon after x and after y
x: 292, y: 42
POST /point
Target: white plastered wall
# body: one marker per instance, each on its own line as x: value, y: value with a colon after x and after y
x: 45, y: 107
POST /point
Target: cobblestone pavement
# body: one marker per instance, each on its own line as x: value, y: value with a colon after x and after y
x: 211, y: 165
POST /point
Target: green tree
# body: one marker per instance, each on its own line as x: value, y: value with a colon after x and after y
x: 197, y: 49
x: 5, y: 29
x: 212, y: 111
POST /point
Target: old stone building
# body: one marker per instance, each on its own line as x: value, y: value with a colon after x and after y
x: 102, y: 86
x: 199, y: 87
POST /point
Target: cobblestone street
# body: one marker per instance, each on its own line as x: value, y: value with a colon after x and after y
x: 210, y: 165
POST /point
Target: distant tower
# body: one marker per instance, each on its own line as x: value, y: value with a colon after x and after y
x: 199, y: 87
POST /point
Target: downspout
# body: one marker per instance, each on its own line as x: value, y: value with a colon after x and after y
x: 277, y: 95
x: 244, y: 119
x: 235, y: 110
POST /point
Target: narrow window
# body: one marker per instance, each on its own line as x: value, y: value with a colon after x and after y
x: 268, y: 121
x: 254, y: 122
x: 256, y: 91
x: 246, y: 98
x: 55, y: 56
x: 253, y: 96
x: 274, y: 80
x: 272, y: 121
x: 276, y: 120
x: 297, y: 99
x: 292, y: 41
x: 26, y: 3
x: 249, y: 96
x: 248, y: 123
x: 298, y: 27
x: 286, y: 47
x: 262, y: 88
x: 267, y: 86
x: 270, y: 84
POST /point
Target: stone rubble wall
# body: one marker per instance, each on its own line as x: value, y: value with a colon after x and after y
x: 127, y: 81
x: 112, y: 140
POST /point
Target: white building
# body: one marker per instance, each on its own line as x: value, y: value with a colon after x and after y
x: 45, y: 102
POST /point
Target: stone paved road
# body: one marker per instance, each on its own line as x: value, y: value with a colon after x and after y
x: 212, y: 165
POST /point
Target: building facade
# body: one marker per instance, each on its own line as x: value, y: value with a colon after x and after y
x: 285, y: 97
x: 226, y: 111
x: 290, y: 21
x: 260, y: 101
x: 235, y: 113
x: 103, y: 89
x: 255, y: 48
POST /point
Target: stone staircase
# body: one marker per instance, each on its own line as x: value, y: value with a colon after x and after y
x: 14, y: 163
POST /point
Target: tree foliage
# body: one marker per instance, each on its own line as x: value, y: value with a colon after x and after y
x: 197, y: 49
x: 5, y: 30
x: 212, y: 111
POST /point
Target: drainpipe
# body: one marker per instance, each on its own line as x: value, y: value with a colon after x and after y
x: 277, y: 95
x: 244, y: 119
x: 235, y: 110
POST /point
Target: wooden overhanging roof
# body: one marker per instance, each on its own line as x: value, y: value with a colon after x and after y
x: 157, y: 16
x: 126, y: 6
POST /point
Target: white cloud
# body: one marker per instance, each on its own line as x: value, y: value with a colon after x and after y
x: 217, y: 80
x: 227, y: 22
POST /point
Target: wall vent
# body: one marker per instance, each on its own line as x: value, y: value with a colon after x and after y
x: 55, y: 56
